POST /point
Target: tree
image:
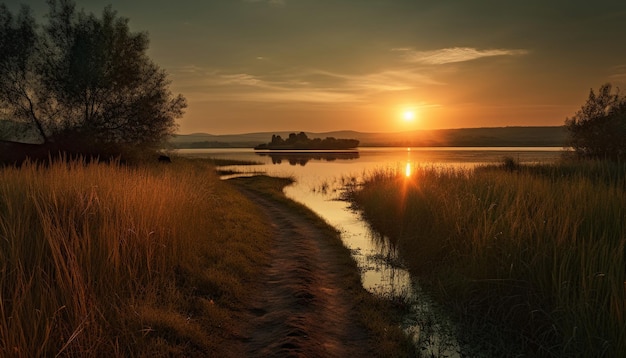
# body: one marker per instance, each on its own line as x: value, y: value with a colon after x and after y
x: 84, y: 78
x: 598, y: 129
x: 18, y: 47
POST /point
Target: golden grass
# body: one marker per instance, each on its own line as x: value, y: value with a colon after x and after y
x: 102, y: 259
x: 539, y: 249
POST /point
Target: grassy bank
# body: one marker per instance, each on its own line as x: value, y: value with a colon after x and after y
x: 101, y: 259
x: 534, y: 253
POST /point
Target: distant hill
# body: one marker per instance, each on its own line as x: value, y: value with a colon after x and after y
x: 554, y: 136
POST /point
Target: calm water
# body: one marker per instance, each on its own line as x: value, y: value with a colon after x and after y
x: 320, y: 178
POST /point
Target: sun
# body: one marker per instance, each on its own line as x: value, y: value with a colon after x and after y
x: 408, y: 116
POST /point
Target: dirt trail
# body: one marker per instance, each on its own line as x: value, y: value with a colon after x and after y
x: 300, y: 308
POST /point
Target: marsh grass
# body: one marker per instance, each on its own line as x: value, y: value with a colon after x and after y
x: 103, y: 259
x: 532, y: 255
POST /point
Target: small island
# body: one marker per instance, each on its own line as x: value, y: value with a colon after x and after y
x: 300, y: 141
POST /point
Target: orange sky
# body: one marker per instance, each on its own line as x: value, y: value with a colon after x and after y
x: 321, y: 65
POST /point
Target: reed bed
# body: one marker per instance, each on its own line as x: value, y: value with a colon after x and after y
x: 536, y: 253
x: 103, y: 259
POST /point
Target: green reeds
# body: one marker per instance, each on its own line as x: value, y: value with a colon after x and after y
x: 95, y: 257
x: 538, y: 250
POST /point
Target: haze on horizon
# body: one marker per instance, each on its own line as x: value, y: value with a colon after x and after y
x: 377, y: 65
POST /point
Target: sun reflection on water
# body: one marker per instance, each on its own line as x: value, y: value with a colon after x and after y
x: 407, y: 169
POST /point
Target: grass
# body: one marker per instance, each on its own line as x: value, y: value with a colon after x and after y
x: 531, y: 256
x: 103, y: 259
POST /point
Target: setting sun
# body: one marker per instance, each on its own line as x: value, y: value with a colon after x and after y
x: 408, y: 116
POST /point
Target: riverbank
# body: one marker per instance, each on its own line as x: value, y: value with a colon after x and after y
x: 152, y: 260
x: 530, y: 259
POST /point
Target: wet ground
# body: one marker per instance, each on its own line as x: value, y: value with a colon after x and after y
x: 301, y: 308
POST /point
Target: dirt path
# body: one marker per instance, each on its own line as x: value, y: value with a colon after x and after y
x: 301, y: 309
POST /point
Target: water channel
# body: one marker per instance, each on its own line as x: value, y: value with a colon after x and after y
x: 320, y: 179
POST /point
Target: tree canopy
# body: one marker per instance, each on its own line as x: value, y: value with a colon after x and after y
x: 83, y: 78
x: 598, y: 129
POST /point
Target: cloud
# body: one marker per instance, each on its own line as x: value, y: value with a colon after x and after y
x: 295, y: 85
x: 454, y: 54
x: 618, y: 75
x: 382, y: 81
x: 240, y: 79
x: 392, y: 80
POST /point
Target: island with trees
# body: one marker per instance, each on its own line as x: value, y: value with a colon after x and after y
x: 301, y: 141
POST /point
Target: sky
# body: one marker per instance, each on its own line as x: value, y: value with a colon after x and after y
x: 324, y: 65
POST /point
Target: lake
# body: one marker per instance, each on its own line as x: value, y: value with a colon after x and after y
x: 321, y: 176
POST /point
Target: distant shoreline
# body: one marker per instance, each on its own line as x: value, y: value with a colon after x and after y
x: 554, y: 136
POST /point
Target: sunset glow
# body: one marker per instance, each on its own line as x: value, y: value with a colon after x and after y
x: 270, y: 65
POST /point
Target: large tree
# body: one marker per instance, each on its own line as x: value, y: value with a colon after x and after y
x: 83, y: 78
x: 598, y: 129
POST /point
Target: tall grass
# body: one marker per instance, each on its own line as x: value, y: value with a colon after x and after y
x: 538, y: 252
x: 102, y: 259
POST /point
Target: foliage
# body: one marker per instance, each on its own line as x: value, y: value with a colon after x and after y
x: 537, y: 254
x: 82, y: 78
x: 598, y: 129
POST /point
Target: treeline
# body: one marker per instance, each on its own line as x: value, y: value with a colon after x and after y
x: 300, y: 141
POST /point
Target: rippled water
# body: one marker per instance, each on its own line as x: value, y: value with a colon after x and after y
x: 321, y: 177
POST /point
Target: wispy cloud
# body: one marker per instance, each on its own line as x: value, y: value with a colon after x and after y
x: 383, y: 81
x: 454, y: 54
x: 618, y: 74
x: 240, y: 79
x: 296, y: 85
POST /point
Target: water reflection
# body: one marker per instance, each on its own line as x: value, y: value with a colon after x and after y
x: 302, y: 158
x: 407, y: 169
